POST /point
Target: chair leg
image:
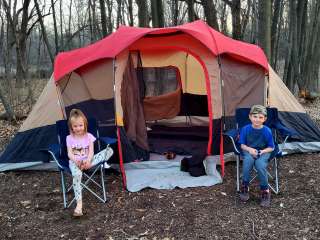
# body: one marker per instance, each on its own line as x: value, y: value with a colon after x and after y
x: 63, y: 186
x: 84, y: 185
x: 238, y: 174
x: 102, y: 183
x: 276, y: 175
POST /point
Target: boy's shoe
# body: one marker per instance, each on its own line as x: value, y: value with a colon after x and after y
x: 244, y: 193
x: 265, y: 198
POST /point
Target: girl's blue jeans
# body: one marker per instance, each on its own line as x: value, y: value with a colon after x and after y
x: 260, y: 165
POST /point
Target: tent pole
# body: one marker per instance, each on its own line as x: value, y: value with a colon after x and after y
x: 266, y: 91
x: 123, y: 174
x: 114, y: 90
x: 222, y: 124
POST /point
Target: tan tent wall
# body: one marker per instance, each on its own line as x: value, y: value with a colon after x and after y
x: 195, y: 82
x: 280, y: 96
x: 244, y: 85
x: 46, y: 111
x: 120, y: 65
x: 93, y: 81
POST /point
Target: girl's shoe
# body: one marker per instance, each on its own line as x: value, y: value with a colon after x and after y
x: 77, y: 213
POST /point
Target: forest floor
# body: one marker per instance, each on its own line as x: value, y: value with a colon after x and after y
x: 31, y: 206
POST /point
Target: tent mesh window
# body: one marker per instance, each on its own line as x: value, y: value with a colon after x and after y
x: 160, y: 80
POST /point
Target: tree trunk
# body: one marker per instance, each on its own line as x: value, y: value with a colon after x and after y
x: 210, y: 13
x: 69, y: 43
x: 110, y: 22
x: 130, y: 10
x: 191, y: 14
x: 20, y: 38
x: 291, y: 60
x: 119, y: 17
x: 143, y: 13
x: 235, y: 6
x: 91, y: 22
x: 274, y: 29
x: 311, y: 63
x: 276, y: 46
x: 265, y: 27
x: 103, y: 18
x: 157, y: 13
x: 61, y: 26
x: 175, y: 12
x: 55, y: 28
x: 43, y: 31
x: 6, y: 106
x: 245, y: 18
x: 253, y: 32
x: 223, y: 19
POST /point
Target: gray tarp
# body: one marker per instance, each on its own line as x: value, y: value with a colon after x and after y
x: 166, y: 174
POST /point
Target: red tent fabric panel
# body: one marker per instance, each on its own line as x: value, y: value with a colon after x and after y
x: 112, y: 45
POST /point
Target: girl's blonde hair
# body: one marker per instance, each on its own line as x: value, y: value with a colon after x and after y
x: 77, y: 113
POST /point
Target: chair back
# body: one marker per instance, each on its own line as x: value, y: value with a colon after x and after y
x: 242, y: 119
x: 62, y: 133
x: 62, y: 129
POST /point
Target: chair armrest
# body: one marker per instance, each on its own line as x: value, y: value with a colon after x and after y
x: 108, y: 140
x: 54, y: 151
x: 284, y: 131
x: 233, y: 135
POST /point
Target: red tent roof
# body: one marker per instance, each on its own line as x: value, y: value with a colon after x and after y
x: 112, y: 45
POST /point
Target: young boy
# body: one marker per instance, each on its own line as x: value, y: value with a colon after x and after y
x: 257, y: 144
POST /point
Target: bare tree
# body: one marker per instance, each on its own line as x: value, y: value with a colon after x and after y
x: 130, y: 12
x: 119, y: 15
x: 191, y: 13
x: 175, y: 12
x: 55, y: 28
x: 311, y: 64
x: 109, y: 17
x: 223, y: 18
x: 143, y: 15
x: 210, y: 13
x: 43, y: 30
x: 235, y: 6
x: 274, y: 29
x: 61, y: 25
x: 245, y: 17
x: 265, y: 26
x: 157, y: 13
x: 20, y: 30
x: 103, y: 18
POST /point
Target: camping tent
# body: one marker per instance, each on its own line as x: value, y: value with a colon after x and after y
x: 159, y: 88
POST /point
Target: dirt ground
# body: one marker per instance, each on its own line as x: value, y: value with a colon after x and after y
x: 31, y: 207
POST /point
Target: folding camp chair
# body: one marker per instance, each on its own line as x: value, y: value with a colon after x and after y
x: 280, y: 134
x: 59, y: 154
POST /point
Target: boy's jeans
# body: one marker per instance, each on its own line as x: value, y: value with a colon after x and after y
x: 260, y: 165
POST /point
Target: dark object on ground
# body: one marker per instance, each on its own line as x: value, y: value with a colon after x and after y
x: 194, y: 165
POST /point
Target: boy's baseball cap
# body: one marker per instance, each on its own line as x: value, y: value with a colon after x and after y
x: 258, y: 109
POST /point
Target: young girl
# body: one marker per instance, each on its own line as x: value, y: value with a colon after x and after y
x: 80, y: 153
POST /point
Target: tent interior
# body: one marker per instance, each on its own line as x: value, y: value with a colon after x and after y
x: 173, y: 100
